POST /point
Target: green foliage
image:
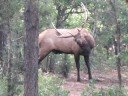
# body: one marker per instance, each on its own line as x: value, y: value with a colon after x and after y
x: 101, y: 61
x: 124, y: 57
x: 61, y: 2
x: 50, y: 86
x: 60, y: 63
x: 125, y: 39
x: 101, y: 18
x: 47, y: 14
x: 113, y: 91
x: 3, y: 87
x: 19, y: 90
x: 74, y: 20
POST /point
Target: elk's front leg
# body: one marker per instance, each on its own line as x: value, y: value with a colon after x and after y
x: 86, y: 58
x: 77, y: 58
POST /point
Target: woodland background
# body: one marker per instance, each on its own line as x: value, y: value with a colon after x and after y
x: 108, y: 22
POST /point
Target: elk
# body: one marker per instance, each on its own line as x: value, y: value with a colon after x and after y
x: 76, y: 41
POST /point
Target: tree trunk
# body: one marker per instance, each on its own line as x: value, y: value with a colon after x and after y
x: 1, y: 45
x: 61, y: 15
x: 6, y: 46
x: 10, y: 86
x: 3, y: 33
x: 117, y: 52
x: 117, y: 40
x: 65, y: 67
x: 31, y: 18
x: 61, y: 18
x: 52, y: 63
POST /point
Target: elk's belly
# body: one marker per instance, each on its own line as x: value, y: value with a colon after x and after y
x: 68, y: 49
x: 60, y: 52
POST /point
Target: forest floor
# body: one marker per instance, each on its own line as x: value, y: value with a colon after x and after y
x: 104, y: 80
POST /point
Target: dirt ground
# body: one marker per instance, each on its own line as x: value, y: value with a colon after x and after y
x: 104, y: 81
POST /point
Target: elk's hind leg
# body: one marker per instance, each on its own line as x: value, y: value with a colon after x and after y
x: 42, y: 54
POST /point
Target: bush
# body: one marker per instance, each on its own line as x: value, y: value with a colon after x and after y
x: 3, y: 87
x: 114, y: 91
x: 50, y: 86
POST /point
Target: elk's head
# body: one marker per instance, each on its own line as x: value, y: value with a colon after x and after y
x: 78, y: 38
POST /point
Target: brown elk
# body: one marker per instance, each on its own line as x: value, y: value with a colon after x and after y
x: 70, y: 41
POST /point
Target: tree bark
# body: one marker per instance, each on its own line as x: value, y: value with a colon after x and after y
x: 1, y: 45
x: 6, y: 44
x: 61, y: 18
x: 65, y: 67
x: 117, y: 40
x: 117, y: 52
x: 61, y: 15
x: 10, y: 86
x: 3, y: 33
x: 31, y: 19
x: 52, y: 63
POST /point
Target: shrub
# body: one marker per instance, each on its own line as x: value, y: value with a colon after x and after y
x: 3, y: 87
x: 50, y: 86
x: 115, y: 91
